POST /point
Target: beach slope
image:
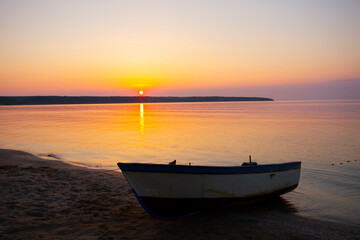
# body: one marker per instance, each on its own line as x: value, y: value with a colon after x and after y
x: 50, y: 199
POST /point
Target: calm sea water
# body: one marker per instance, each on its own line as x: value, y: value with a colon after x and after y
x: 321, y: 134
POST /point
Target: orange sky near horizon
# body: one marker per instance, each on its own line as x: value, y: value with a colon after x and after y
x: 101, y: 47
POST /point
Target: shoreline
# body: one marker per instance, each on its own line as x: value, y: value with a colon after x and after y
x: 48, y: 199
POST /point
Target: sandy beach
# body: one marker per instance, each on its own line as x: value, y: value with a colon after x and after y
x: 50, y: 199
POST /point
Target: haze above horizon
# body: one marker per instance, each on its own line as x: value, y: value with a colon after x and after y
x: 278, y: 49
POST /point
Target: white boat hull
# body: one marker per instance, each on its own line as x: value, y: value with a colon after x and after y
x: 170, y: 185
x: 169, y: 191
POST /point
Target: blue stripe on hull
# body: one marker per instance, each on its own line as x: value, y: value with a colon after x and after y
x: 165, y: 168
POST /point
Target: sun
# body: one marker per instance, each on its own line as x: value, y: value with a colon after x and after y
x: 141, y: 92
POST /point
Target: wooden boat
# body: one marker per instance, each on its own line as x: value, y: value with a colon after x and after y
x: 168, y: 191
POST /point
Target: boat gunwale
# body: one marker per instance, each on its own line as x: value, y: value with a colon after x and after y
x: 196, y: 169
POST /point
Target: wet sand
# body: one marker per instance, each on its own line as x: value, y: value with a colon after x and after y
x: 50, y: 199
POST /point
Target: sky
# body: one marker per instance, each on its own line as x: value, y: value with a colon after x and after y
x: 281, y: 49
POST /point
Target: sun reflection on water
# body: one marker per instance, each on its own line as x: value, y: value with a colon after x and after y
x: 142, y: 118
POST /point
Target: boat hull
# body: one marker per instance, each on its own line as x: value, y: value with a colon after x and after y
x: 171, y: 191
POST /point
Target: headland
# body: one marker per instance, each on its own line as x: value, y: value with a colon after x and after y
x: 49, y: 100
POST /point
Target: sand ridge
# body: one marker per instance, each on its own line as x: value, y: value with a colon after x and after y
x: 50, y: 199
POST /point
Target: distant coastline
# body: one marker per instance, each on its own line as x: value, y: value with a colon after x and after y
x: 50, y: 100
